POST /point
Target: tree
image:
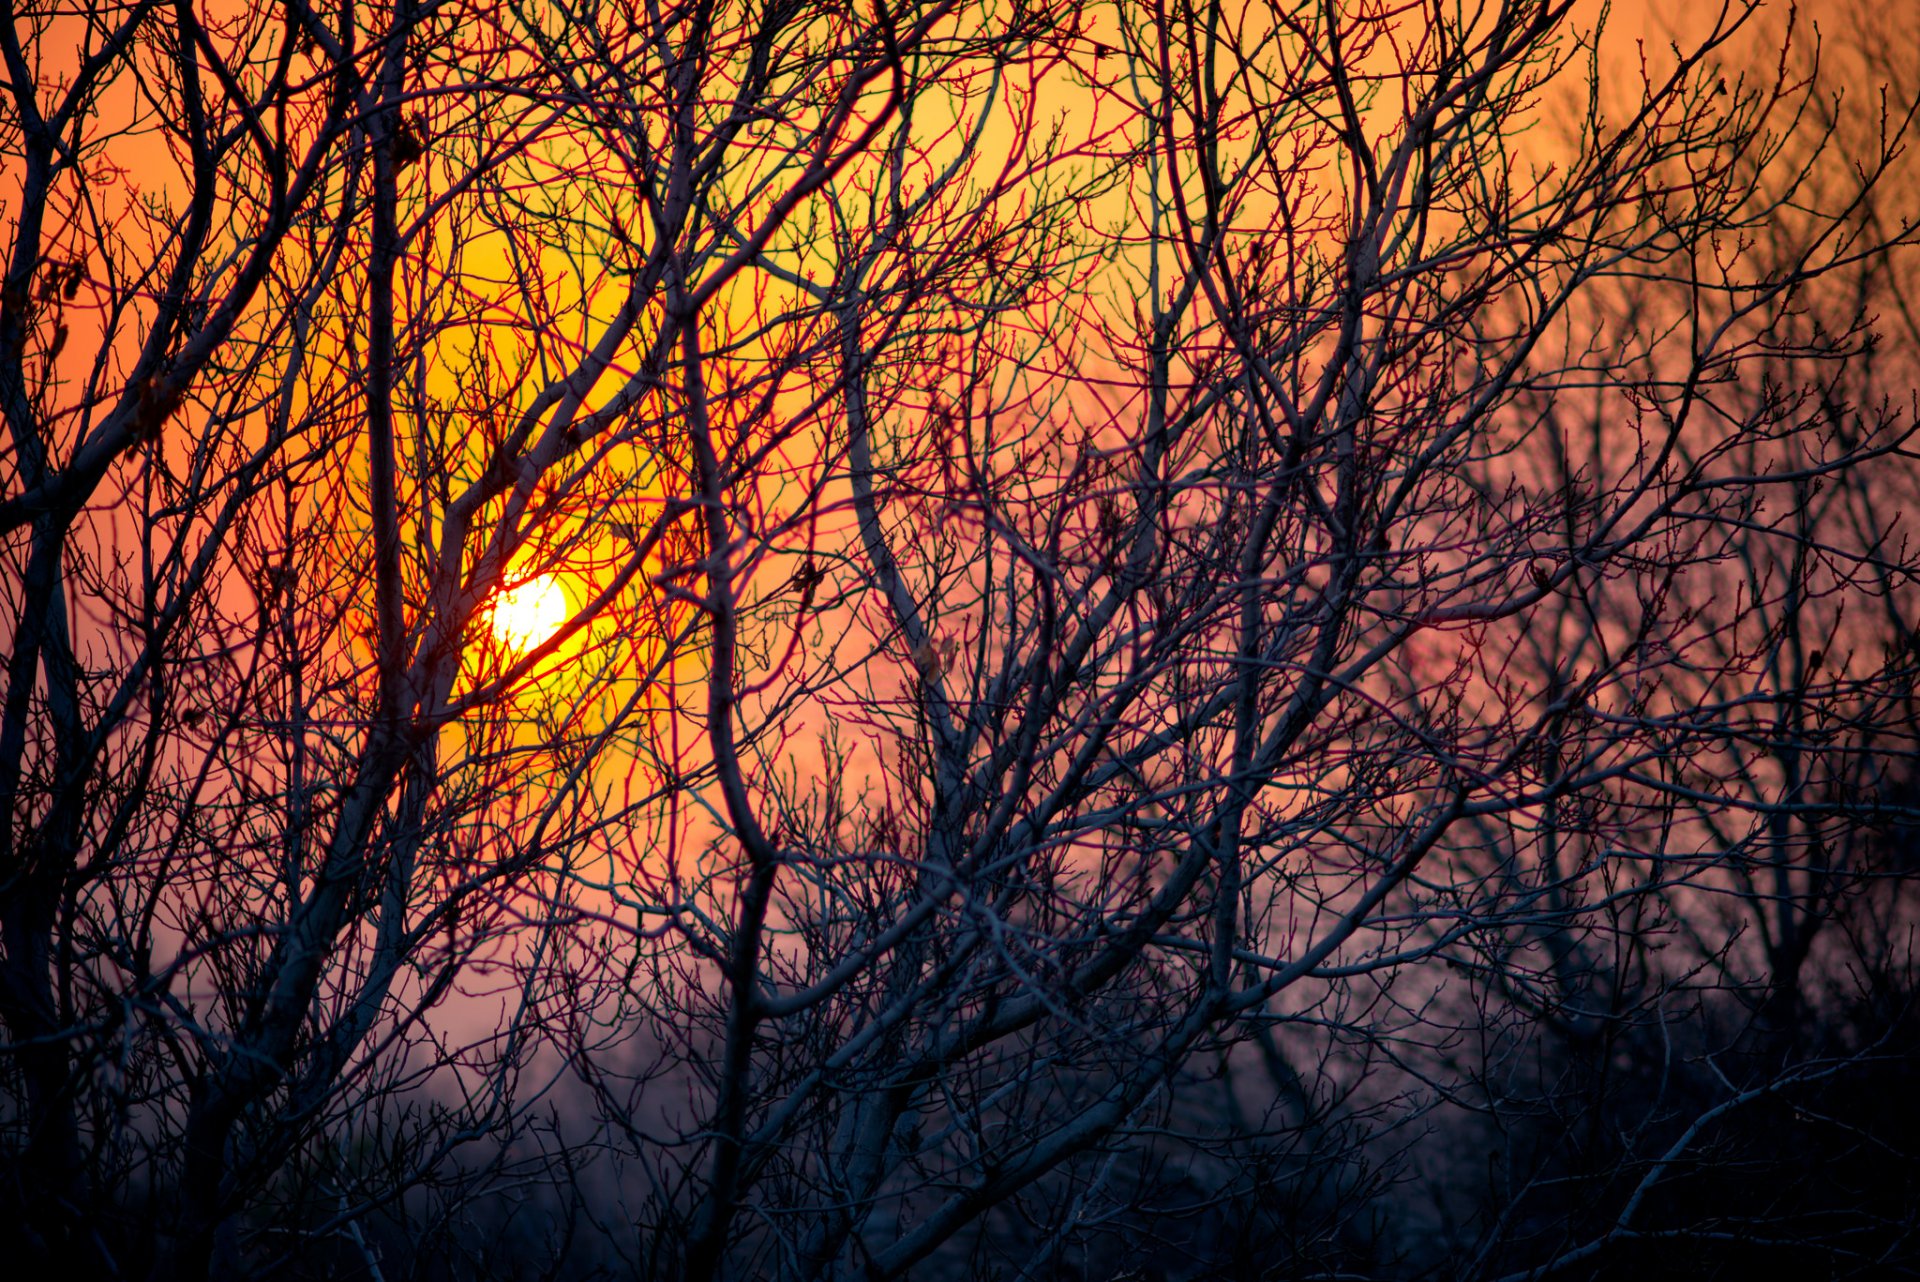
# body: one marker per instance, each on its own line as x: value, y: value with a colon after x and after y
x: 1691, y: 1067
x: 1202, y: 613
x: 1079, y: 625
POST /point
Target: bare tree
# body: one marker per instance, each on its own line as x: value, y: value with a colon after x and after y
x: 1694, y: 1042
x: 1169, y: 690
x: 984, y: 680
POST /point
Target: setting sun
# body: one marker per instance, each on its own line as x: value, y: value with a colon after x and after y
x: 527, y: 615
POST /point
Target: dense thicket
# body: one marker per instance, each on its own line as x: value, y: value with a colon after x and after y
x: 793, y: 639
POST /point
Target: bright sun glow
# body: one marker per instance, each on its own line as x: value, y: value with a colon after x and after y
x: 530, y: 613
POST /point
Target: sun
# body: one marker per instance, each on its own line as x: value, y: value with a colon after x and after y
x: 527, y: 615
